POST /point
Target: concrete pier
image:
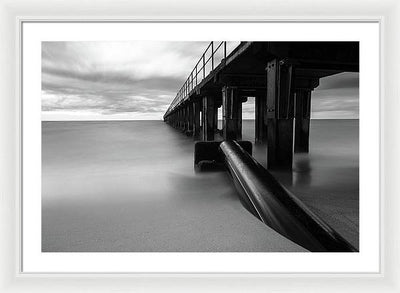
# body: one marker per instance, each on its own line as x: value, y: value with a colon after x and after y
x: 280, y: 75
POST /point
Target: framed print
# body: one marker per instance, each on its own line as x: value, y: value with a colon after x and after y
x: 213, y: 150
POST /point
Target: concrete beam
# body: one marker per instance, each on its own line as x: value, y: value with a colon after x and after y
x: 243, y: 81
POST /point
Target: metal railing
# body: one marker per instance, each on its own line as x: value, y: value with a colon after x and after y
x: 199, y: 71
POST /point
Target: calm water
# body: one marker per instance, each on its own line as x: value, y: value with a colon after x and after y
x: 130, y: 186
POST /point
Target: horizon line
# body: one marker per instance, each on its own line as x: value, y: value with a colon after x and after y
x: 131, y: 120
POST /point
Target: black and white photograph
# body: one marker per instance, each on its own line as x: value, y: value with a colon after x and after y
x: 200, y: 146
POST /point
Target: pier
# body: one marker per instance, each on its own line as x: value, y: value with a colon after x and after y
x: 281, y: 76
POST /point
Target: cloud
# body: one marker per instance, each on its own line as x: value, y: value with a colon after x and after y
x: 340, y: 81
x: 337, y: 97
x: 138, y: 79
x: 107, y: 78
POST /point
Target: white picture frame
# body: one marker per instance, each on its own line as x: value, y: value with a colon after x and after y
x: 12, y: 279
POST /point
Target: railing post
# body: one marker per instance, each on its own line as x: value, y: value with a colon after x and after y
x: 224, y: 51
x: 196, y: 74
x: 204, y: 66
x: 212, y: 55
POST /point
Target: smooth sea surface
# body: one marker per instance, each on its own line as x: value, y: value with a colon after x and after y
x: 113, y: 186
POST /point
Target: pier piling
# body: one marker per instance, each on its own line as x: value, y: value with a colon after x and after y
x: 231, y: 113
x: 280, y: 93
x: 208, y: 118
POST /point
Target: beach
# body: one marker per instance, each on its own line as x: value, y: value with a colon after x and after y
x: 130, y: 186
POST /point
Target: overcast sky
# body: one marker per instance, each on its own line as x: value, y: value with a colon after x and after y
x: 138, y: 80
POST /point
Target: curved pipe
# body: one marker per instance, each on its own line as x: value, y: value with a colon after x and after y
x: 277, y: 207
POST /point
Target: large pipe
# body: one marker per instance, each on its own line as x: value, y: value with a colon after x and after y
x: 277, y: 207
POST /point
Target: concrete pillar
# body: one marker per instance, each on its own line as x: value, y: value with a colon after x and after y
x: 175, y: 119
x: 185, y: 118
x: 208, y: 118
x: 196, y: 119
x: 280, y: 108
x: 231, y: 113
x: 182, y: 126
x: 260, y: 116
x: 302, y: 121
x: 215, y: 118
x: 190, y: 117
x: 185, y: 124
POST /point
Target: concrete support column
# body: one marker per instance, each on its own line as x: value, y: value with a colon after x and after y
x: 231, y: 113
x: 208, y: 118
x: 185, y: 119
x: 190, y: 117
x: 175, y: 119
x: 215, y: 118
x: 260, y: 116
x: 182, y: 126
x: 280, y: 108
x: 196, y: 119
x: 302, y: 121
x: 180, y: 119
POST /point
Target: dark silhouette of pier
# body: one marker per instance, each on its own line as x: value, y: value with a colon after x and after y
x: 280, y: 75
